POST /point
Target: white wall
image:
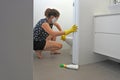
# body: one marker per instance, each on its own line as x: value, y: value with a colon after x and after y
x: 65, y: 7
x: 87, y: 9
x: 16, y: 39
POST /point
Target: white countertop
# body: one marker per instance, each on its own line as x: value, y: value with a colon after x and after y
x: 105, y: 14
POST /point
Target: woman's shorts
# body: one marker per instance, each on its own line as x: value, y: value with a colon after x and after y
x: 39, y: 45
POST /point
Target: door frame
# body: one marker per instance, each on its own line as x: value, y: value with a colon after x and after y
x: 75, y: 47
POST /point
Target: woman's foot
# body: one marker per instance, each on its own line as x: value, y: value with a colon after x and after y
x: 54, y: 52
x: 39, y: 55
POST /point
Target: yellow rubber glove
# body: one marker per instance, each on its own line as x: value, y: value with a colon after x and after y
x: 72, y: 29
x: 63, y: 37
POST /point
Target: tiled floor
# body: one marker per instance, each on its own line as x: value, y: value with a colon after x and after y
x: 48, y: 69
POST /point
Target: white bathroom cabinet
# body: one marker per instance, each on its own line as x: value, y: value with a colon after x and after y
x: 107, y: 35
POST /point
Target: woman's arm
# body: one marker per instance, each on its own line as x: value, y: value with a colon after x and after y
x: 58, y: 26
x: 47, y: 28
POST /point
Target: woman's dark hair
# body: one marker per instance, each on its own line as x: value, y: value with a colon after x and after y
x: 51, y: 12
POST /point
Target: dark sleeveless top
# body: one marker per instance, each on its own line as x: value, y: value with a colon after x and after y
x: 39, y: 34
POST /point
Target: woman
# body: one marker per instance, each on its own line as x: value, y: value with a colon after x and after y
x: 44, y: 36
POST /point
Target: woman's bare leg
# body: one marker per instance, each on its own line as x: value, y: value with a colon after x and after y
x: 52, y: 46
x: 53, y: 38
x: 38, y: 53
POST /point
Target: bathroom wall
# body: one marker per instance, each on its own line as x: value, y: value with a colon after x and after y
x: 65, y: 8
x: 87, y: 9
x: 16, y: 39
x: 86, y: 35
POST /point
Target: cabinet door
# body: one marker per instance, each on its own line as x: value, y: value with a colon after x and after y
x: 107, y: 44
x: 107, y: 24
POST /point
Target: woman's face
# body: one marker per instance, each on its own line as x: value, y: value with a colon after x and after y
x: 53, y: 19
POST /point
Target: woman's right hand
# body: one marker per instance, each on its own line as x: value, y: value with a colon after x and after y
x: 72, y: 29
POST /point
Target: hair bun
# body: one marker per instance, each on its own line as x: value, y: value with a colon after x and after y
x: 51, y: 12
x: 48, y: 10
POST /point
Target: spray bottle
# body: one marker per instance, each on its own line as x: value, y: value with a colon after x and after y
x: 69, y: 66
